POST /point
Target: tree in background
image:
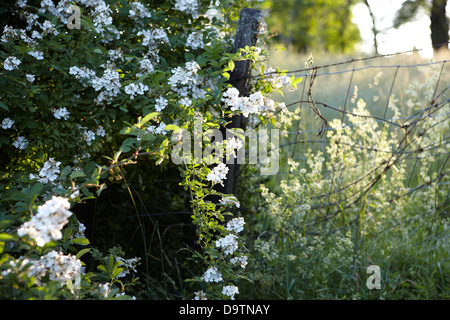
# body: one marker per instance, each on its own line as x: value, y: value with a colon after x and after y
x: 307, y: 24
x: 438, y: 19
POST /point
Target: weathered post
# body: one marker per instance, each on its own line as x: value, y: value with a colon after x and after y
x: 247, y: 33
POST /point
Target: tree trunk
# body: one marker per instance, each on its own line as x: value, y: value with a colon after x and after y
x: 439, y: 26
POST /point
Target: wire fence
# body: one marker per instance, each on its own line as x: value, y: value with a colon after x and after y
x: 406, y: 128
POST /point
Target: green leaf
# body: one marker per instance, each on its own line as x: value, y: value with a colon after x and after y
x: 82, y: 252
x: 77, y: 174
x: 148, y: 117
x: 81, y: 241
x: 4, y: 106
x: 172, y: 127
x: 6, y: 237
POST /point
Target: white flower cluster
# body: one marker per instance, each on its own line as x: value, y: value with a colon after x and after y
x: 160, y: 129
x: 254, y: 104
x: 235, y: 225
x: 102, y: 17
x: 195, y: 40
x: 56, y: 265
x: 185, y: 81
x: 128, y: 265
x: 109, y: 82
x: 138, y: 10
x: 277, y: 80
x: 47, y: 224
x: 188, y: 6
x: 30, y: 77
x: 161, y: 103
x: 228, y: 243
x: 218, y: 174
x: 242, y: 261
x: 134, y: 89
x: 115, y: 55
x: 212, y: 275
x: 48, y: 28
x: 49, y: 172
x: 11, y: 63
x: 230, y: 200
x: 61, y: 113
x: 230, y: 291
x: 153, y: 37
x: 39, y: 55
x: 59, y: 267
x: 199, y: 295
x: 145, y: 66
x: 85, y: 75
x: 7, y: 123
x: 233, y: 144
x: 20, y: 143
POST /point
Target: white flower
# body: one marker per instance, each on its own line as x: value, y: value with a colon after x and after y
x: 231, y: 97
x: 48, y: 27
x: 11, y: 63
x: 7, y: 123
x: 145, y: 66
x: 138, y: 10
x: 39, y: 55
x: 212, y: 275
x: 195, y: 40
x: 218, y: 174
x: 133, y: 89
x: 20, y: 142
x: 236, y: 225
x: 185, y: 102
x: 30, y: 77
x: 49, y: 172
x: 161, y: 103
x: 232, y: 145
x: 226, y: 200
x: 89, y: 136
x: 153, y: 37
x: 188, y: 6
x: 242, y: 261
x: 61, y: 113
x: 101, y: 131
x: 116, y: 54
x: 47, y: 224
x: 200, y: 295
x: 228, y: 243
x: 230, y: 291
x: 128, y: 265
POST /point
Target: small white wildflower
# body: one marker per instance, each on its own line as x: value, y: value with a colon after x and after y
x: 212, y: 275
x: 11, y: 63
x: 39, y: 55
x: 230, y: 200
x: 30, y: 77
x: 7, y: 123
x: 161, y: 103
x: 218, y: 173
x: 228, y: 243
x: 230, y: 291
x: 242, y: 261
x: 185, y: 102
x: 134, y: 89
x: 200, y: 295
x: 61, y: 113
x: 195, y: 40
x: 47, y: 224
x: 236, y: 225
x: 101, y: 131
x: 20, y: 142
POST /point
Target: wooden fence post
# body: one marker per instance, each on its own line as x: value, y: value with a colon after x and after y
x: 247, y: 33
